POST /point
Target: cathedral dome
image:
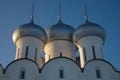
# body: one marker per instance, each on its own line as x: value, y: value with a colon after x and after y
x: 60, y: 31
x: 31, y: 30
x: 88, y: 29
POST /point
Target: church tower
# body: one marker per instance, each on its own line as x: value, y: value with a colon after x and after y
x: 59, y: 40
x: 29, y: 40
x: 89, y: 38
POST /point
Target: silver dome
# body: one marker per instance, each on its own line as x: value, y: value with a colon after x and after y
x: 29, y: 29
x: 60, y: 31
x: 88, y: 29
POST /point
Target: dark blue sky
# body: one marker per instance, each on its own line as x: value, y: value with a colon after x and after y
x: 17, y: 12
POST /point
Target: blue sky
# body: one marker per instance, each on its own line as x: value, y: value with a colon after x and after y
x: 14, y: 13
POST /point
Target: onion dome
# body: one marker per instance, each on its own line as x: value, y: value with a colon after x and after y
x: 29, y: 30
x: 60, y: 31
x: 89, y: 29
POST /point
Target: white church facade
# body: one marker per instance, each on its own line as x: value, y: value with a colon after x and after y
x: 59, y: 42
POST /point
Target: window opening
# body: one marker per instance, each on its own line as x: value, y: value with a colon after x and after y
x: 98, y: 73
x: 84, y: 51
x: 61, y: 73
x: 93, y: 49
x: 60, y: 54
x: 35, y: 54
x: 26, y: 55
x: 22, y: 75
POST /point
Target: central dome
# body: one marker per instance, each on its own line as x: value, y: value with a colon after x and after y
x: 60, y: 31
x: 31, y: 30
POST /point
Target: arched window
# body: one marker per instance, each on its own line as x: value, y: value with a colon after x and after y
x: 22, y: 74
x: 61, y: 72
x: 98, y: 73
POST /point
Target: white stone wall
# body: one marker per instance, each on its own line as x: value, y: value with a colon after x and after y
x: 13, y: 71
x: 107, y: 71
x: 54, y: 48
x: 51, y: 70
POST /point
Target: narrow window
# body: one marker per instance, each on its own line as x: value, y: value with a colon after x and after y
x: 35, y: 54
x: 61, y: 73
x: 22, y: 74
x: 93, y: 49
x: 60, y: 54
x: 84, y: 51
x: 26, y: 55
x: 78, y: 60
x: 98, y: 73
